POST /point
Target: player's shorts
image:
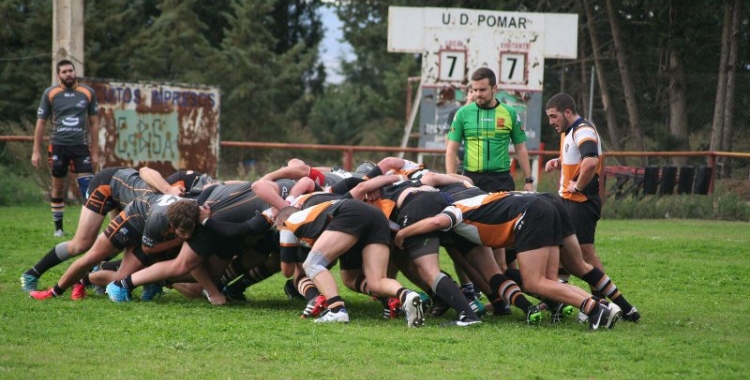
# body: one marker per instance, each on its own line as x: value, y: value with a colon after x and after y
x: 584, y: 216
x: 151, y: 259
x: 206, y: 243
x: 492, y: 182
x: 415, y: 207
x: 566, y: 222
x: 123, y: 230
x: 100, y: 193
x: 76, y: 158
x: 538, y: 227
x: 365, y: 222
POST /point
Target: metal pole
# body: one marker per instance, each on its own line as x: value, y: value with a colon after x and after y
x: 590, y: 116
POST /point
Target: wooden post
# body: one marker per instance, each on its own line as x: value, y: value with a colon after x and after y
x: 67, y: 35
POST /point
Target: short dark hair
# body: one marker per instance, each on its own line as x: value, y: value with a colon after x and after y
x: 562, y: 102
x: 183, y: 214
x: 484, y: 73
x: 64, y: 62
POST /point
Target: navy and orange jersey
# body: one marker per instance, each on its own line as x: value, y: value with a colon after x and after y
x: 69, y: 108
x: 581, y: 140
x: 489, y: 219
x: 461, y: 190
x: 303, y: 227
x: 147, y: 215
x: 126, y: 185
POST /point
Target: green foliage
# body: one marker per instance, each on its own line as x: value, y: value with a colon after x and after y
x: 717, y: 206
x: 684, y: 284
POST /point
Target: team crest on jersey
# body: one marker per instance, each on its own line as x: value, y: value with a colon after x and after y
x: 566, y: 148
x: 500, y: 123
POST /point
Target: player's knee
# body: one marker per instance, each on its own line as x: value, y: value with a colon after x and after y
x: 315, y: 264
x: 83, y: 185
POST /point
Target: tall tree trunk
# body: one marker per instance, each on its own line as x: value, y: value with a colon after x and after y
x: 614, y: 135
x: 627, y: 83
x: 734, y: 46
x: 678, y: 117
x: 721, y: 89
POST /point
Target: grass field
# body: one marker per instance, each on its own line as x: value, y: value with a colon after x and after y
x: 689, y: 279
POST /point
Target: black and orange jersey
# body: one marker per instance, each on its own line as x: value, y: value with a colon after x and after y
x: 233, y: 203
x: 193, y: 182
x: 126, y: 185
x: 489, y: 219
x: 303, y: 227
x: 69, y: 108
x: 147, y: 214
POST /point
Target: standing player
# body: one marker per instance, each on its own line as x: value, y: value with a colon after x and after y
x: 69, y: 104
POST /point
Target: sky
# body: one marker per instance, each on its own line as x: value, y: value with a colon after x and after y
x: 332, y: 49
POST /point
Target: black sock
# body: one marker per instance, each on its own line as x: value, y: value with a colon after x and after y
x: 606, y: 288
x: 57, y: 290
x: 335, y: 304
x: 510, y: 292
x: 125, y: 283
x: 55, y: 256
x: 452, y: 295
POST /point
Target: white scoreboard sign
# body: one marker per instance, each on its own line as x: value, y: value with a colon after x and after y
x: 454, y: 42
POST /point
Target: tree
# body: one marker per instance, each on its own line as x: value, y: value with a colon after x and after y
x: 627, y: 83
x: 609, y: 110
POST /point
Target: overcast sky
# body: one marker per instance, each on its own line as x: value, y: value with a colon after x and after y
x: 331, y: 49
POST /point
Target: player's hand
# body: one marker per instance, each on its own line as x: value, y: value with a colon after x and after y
x: 553, y: 164
x: 176, y: 191
x: 528, y: 187
x: 205, y: 212
x: 95, y: 159
x: 398, y: 241
x: 35, y: 158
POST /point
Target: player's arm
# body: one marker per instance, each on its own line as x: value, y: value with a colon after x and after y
x: 451, y: 156
x: 588, y: 170
x: 156, y: 181
x: 439, y: 179
x: 444, y: 221
x: 290, y: 172
x: 94, y: 148
x: 36, y: 155
x: 256, y: 225
x: 268, y: 191
x: 162, y: 246
x: 359, y: 191
x: 522, y: 156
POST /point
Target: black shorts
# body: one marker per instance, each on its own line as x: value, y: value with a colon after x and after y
x: 566, y: 222
x: 100, y: 193
x: 151, y: 259
x: 76, y: 158
x: 418, y: 206
x: 123, y: 232
x: 585, y: 216
x: 364, y: 221
x: 492, y: 182
x: 206, y: 243
x: 539, y: 227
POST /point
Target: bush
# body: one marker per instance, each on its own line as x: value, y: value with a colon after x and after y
x: 719, y: 206
x: 19, y: 191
